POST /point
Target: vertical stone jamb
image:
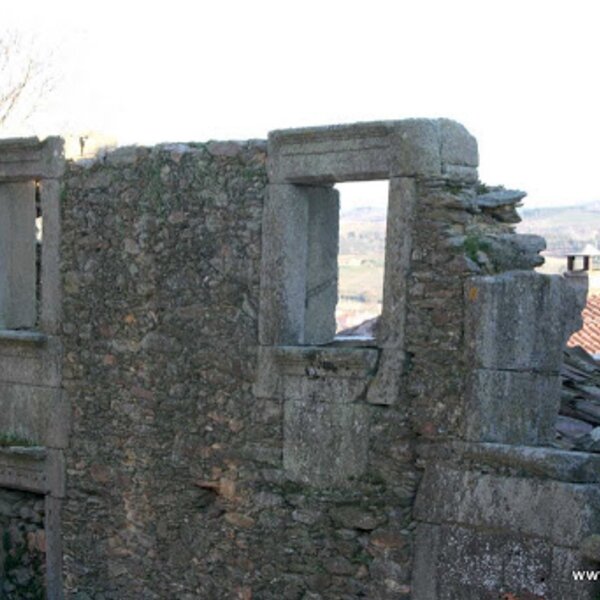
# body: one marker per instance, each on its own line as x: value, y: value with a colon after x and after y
x: 283, y: 269
x: 385, y: 389
x: 322, y: 266
x: 51, y: 279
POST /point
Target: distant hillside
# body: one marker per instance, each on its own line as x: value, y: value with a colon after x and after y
x: 566, y: 229
x: 362, y: 246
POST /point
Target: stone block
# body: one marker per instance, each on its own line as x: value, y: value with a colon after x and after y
x: 55, y: 473
x: 17, y: 256
x: 458, y: 146
x: 511, y: 407
x: 24, y: 468
x: 39, y: 414
x: 54, y: 553
x: 519, y: 320
x: 551, y: 463
x: 362, y: 151
x: 328, y: 389
x: 398, y: 248
x: 561, y: 513
x: 26, y: 159
x: 416, y: 145
x: 322, y: 266
x: 460, y: 174
x: 515, y: 251
x: 329, y: 154
x: 326, y: 362
x: 385, y: 387
x: 50, y: 276
x: 325, y: 443
x: 425, y: 568
x: 283, y: 269
x: 457, y: 562
x: 31, y: 364
x: 267, y: 374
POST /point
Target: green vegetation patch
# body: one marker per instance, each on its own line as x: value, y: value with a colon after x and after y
x: 474, y: 244
x: 12, y: 439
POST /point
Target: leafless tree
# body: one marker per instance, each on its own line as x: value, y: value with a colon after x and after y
x: 25, y: 79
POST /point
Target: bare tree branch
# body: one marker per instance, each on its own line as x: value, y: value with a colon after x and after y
x: 25, y: 79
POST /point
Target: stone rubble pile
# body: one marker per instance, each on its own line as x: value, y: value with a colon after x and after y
x: 578, y: 424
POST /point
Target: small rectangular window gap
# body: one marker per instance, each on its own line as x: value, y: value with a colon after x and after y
x: 361, y: 256
x: 39, y: 232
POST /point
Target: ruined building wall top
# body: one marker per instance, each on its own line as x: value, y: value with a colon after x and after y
x: 223, y: 445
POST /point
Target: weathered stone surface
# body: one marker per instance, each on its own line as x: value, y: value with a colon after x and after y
x: 551, y: 463
x: 213, y: 457
x: 354, y: 517
x: 562, y: 513
x: 38, y: 414
x: 322, y: 268
x: 416, y: 148
x: 330, y: 154
x: 398, y: 240
x: 325, y: 443
x: 17, y: 256
x: 458, y: 146
x: 284, y: 264
x: 31, y: 363
x: 481, y: 564
x: 497, y: 198
x: 504, y: 313
x: 327, y: 362
x: 50, y: 283
x: 509, y: 252
x: 385, y: 389
x: 590, y: 547
x: 299, y: 263
x: 26, y: 159
x: 511, y: 407
x: 412, y: 147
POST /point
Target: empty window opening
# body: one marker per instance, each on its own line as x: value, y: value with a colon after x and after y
x: 361, y: 256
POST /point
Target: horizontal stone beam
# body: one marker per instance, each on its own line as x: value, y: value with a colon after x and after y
x: 377, y: 150
x: 24, y: 159
x: 563, y: 513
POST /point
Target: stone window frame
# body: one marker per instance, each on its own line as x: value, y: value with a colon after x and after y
x: 29, y: 168
x: 301, y: 216
x: 303, y: 165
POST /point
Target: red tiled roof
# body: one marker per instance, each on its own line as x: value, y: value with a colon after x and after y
x: 588, y: 336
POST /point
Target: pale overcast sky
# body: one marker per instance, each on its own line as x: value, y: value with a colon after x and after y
x: 522, y: 76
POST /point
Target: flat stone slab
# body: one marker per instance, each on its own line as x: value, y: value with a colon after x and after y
x: 563, y: 513
x: 325, y: 443
x: 511, y: 407
x: 533, y: 461
x: 499, y: 198
x: 376, y: 150
x: 520, y: 320
x: 24, y: 159
x: 316, y: 361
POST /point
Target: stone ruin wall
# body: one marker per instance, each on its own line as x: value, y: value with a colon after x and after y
x: 219, y: 450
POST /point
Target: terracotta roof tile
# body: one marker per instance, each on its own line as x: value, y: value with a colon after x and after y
x: 588, y: 336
